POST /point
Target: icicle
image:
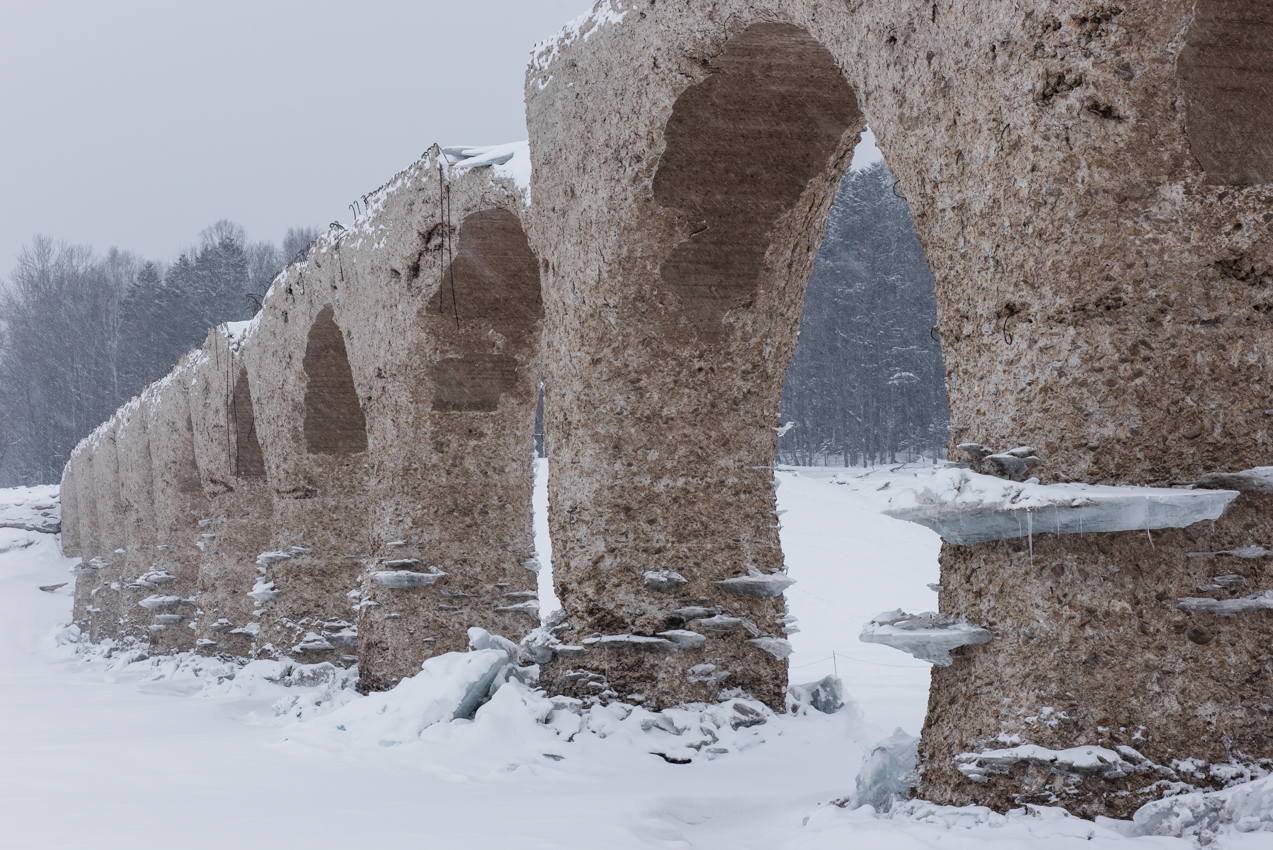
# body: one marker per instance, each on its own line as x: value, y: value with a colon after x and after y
x: 1029, y: 524
x: 1151, y: 538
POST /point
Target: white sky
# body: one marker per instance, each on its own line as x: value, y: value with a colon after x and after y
x: 137, y: 124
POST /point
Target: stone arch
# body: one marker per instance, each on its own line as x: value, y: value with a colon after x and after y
x: 334, y: 421
x: 492, y: 284
x: 249, y: 462
x: 741, y: 148
x: 673, y: 318
x: 1226, y: 72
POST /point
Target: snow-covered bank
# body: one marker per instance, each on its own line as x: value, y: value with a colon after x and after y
x: 106, y: 748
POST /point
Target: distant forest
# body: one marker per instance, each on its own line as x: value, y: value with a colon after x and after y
x: 80, y: 334
x: 867, y: 384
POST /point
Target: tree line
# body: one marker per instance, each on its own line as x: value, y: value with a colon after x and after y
x: 80, y: 334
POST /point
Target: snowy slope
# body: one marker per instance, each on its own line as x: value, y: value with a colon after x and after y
x: 107, y: 749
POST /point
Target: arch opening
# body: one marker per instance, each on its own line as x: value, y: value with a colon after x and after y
x: 334, y: 421
x: 491, y: 285
x: 249, y: 462
x: 741, y: 148
x: 1226, y: 71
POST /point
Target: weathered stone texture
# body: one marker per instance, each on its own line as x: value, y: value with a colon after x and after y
x: 695, y: 203
x: 180, y: 503
x: 137, y: 494
x: 236, y: 524
x: 1089, y: 182
x: 1101, y: 294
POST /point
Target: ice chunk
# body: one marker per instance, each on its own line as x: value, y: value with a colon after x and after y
x: 692, y: 612
x: 888, y: 774
x: 448, y: 687
x: 1204, y: 814
x: 1228, y: 607
x: 1076, y: 761
x: 313, y: 642
x: 530, y: 608
x: 151, y: 579
x: 156, y: 602
x: 976, y: 451
x: 641, y: 642
x: 684, y: 638
x: 757, y: 585
x: 205, y: 642
x: 929, y: 636
x: 777, y: 647
x: 707, y: 674
x: 345, y: 637
x: 169, y: 619
x: 267, y: 558
x: 966, y: 507
x: 221, y: 625
x: 1258, y: 479
x: 720, y: 623
x: 251, y: 629
x: 825, y: 695
x: 1249, y: 552
x: 402, y: 579
x: 1014, y: 464
x: 664, y: 580
x: 264, y: 591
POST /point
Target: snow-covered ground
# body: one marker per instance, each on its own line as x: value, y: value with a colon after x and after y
x: 104, y: 748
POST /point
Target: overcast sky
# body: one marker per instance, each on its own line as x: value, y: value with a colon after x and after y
x: 137, y: 124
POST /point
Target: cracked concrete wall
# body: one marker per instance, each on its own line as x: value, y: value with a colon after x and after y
x: 1063, y: 165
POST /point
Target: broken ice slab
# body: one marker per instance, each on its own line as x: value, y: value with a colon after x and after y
x: 1014, y: 464
x: 929, y: 636
x: 777, y: 647
x: 967, y: 507
x: 168, y: 619
x: 251, y: 629
x: 684, y: 638
x: 825, y: 695
x: 313, y: 643
x: 153, y: 578
x: 1248, y: 552
x: 720, y: 623
x: 757, y: 585
x: 1258, y: 479
x: 530, y: 607
x: 1228, y: 607
x: 664, y: 580
x: 402, y: 579
x: 205, y: 642
x: 267, y: 558
x: 402, y: 563
x: 264, y: 591
x: 347, y: 637
x: 1076, y: 761
x: 155, y: 602
x: 630, y: 642
x: 221, y: 625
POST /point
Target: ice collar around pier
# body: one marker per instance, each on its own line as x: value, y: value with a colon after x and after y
x: 967, y: 507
